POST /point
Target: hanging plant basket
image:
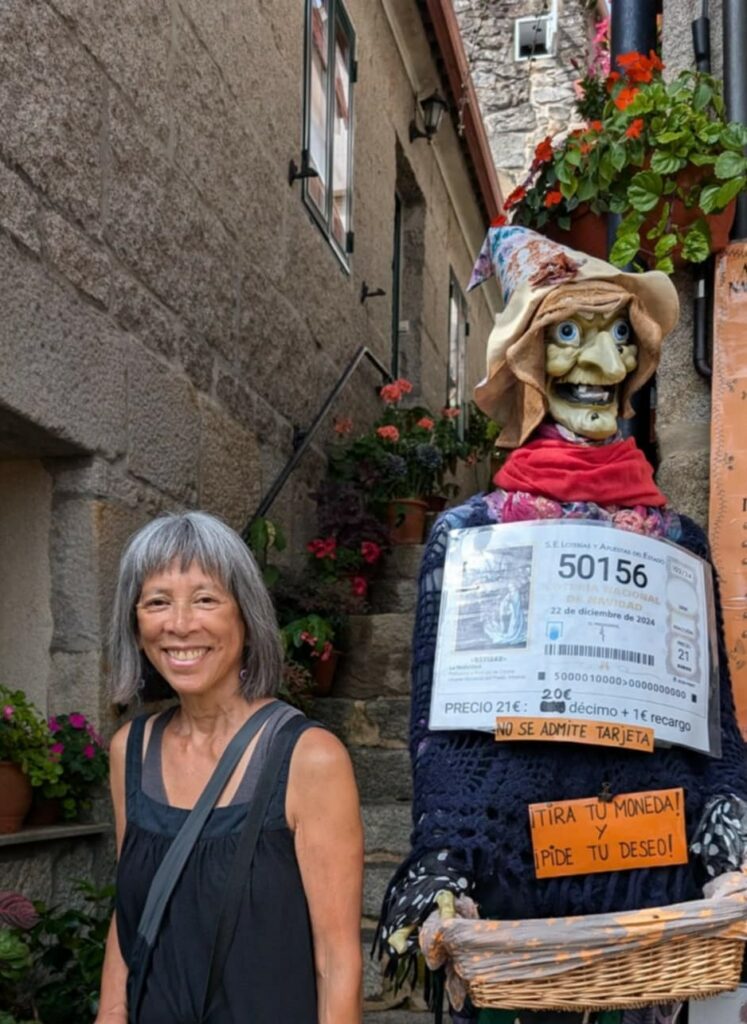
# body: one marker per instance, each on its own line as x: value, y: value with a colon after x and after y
x: 587, y: 233
x: 15, y: 797
x: 406, y: 520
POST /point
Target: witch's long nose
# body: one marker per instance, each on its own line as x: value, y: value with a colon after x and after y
x: 600, y: 354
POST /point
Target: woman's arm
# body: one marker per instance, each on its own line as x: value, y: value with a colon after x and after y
x: 323, y: 810
x: 113, y: 1001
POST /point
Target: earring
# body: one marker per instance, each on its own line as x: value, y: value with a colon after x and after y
x: 244, y: 675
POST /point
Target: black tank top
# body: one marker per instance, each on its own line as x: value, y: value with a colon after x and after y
x: 268, y: 976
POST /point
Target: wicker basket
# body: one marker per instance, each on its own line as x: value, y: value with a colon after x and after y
x: 678, y: 970
x: 686, y: 951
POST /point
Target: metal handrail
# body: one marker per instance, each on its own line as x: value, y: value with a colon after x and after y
x: 303, y: 438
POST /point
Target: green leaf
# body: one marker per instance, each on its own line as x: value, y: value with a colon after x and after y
x: 702, y: 96
x: 665, y: 265
x: 730, y: 165
x: 625, y: 249
x: 668, y: 137
x: 661, y: 225
x: 586, y: 190
x: 568, y: 188
x: 564, y: 172
x: 696, y: 246
x: 665, y: 246
x: 730, y: 190
x: 702, y: 159
x: 573, y: 157
x: 666, y: 163
x: 709, y: 197
x: 734, y: 136
x: 617, y: 155
x: 645, y: 190
x: 564, y: 223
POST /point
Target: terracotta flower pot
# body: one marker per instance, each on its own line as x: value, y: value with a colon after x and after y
x: 587, y: 233
x: 15, y: 797
x: 436, y: 502
x: 406, y: 520
x: 324, y: 674
x: 45, y: 811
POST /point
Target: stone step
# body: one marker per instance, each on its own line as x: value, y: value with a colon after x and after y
x: 376, y: 878
x: 397, y: 1016
x: 381, y: 722
x: 394, y: 595
x: 403, y: 562
x: 377, y: 658
x: 383, y: 775
x: 387, y: 828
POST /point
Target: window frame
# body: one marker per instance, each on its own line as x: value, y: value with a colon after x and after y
x: 457, y: 296
x: 324, y: 219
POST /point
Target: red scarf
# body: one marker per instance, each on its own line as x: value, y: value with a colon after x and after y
x: 608, y: 474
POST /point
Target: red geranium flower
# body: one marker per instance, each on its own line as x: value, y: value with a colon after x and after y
x: 638, y: 68
x: 323, y: 547
x: 359, y: 586
x: 426, y: 423
x: 343, y: 425
x: 553, y: 198
x: 596, y: 126
x: 499, y: 221
x: 543, y: 151
x: 625, y: 97
x: 370, y: 552
x: 388, y: 433
x: 516, y: 196
x: 634, y: 129
x: 612, y: 77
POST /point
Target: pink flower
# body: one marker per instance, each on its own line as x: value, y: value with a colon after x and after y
x: 450, y: 413
x: 629, y: 519
x: 359, y: 586
x: 88, y: 751
x: 326, y: 651
x: 54, y: 725
x: 343, y: 426
x: 58, y: 748
x: 426, y: 423
x: 370, y: 552
x: 76, y: 720
x: 8, y: 712
x: 520, y: 507
x: 388, y: 433
x: 308, y: 638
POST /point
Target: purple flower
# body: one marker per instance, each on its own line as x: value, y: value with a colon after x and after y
x: 58, y: 748
x: 76, y: 720
x: 88, y: 751
x: 8, y: 712
x: 54, y: 725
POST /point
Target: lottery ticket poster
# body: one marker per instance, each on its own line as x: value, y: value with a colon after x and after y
x: 562, y: 618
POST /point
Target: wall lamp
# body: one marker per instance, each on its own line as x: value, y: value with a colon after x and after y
x: 304, y: 171
x: 433, y: 110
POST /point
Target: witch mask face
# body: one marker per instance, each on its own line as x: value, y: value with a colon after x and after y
x: 586, y: 359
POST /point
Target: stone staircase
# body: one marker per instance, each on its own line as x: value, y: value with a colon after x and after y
x: 369, y: 711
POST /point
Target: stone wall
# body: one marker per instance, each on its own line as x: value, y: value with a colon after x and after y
x: 521, y: 101
x: 684, y: 398
x: 170, y: 311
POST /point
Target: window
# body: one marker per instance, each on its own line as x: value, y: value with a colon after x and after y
x: 328, y: 120
x: 535, y: 36
x: 458, y: 332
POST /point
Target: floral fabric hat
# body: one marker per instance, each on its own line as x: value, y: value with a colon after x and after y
x: 529, y: 268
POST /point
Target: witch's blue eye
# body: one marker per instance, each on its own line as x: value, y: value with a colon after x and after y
x: 620, y: 331
x: 567, y: 332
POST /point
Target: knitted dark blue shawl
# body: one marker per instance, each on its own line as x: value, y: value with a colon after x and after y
x: 471, y: 794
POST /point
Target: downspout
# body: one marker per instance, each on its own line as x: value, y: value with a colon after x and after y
x: 702, y: 272
x: 735, y: 86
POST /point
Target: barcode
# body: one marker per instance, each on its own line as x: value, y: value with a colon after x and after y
x: 589, y: 651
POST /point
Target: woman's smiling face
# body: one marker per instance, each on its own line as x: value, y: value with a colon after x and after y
x: 586, y: 359
x: 191, y: 630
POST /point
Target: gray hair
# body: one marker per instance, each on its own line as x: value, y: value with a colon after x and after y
x: 220, y: 552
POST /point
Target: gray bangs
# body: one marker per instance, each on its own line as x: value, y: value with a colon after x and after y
x: 184, y: 539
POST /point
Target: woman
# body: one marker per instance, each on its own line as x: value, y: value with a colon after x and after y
x: 191, y: 611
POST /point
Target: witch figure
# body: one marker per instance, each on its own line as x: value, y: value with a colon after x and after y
x: 576, y: 339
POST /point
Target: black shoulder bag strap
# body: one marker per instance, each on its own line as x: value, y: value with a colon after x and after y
x: 240, y: 872
x: 172, y: 865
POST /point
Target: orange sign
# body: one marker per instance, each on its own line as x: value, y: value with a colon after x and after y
x: 728, y: 510
x: 633, y: 830
x: 574, y: 730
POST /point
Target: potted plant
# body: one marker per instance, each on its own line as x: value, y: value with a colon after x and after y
x: 309, y: 641
x: 26, y: 757
x: 660, y: 154
x: 83, y: 758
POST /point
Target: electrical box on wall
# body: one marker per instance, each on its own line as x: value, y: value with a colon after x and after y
x: 535, y: 37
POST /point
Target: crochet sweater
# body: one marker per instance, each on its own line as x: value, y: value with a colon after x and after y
x: 471, y: 793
